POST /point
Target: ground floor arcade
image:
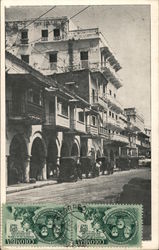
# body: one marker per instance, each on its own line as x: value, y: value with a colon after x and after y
x: 34, y: 154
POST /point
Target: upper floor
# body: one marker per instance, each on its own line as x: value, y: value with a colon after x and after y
x: 50, y: 45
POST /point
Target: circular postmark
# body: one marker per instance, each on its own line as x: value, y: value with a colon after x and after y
x: 120, y: 226
x: 49, y: 225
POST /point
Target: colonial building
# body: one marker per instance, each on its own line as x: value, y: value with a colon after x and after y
x: 62, y: 97
x: 40, y: 127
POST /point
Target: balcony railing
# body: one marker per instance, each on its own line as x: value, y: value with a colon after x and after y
x: 53, y: 66
x: 112, y: 122
x: 100, y: 101
x: 84, y: 33
x: 24, y: 110
x: 103, y: 131
x: 119, y: 138
x: 24, y: 40
x: 44, y: 38
x: 145, y: 145
x: 115, y: 104
x: 78, y: 126
x: 93, y: 130
x: 59, y: 120
x: 103, y: 67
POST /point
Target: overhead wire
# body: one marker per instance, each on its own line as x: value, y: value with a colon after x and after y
x: 63, y: 24
x: 32, y: 23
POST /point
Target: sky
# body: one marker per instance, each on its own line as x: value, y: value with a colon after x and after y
x: 127, y: 31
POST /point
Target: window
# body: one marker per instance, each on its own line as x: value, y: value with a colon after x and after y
x: 109, y: 131
x: 84, y: 55
x: 44, y: 35
x: 114, y: 95
x: 110, y: 92
x: 103, y: 89
x: 110, y: 113
x: 24, y: 37
x: 30, y: 95
x: 62, y: 107
x: 64, y: 110
x: 51, y: 107
x: 93, y: 120
x: 24, y: 34
x: 25, y: 58
x: 116, y: 117
x: 53, y: 58
x: 56, y: 32
x: 35, y: 96
x: 93, y: 95
x: 81, y: 116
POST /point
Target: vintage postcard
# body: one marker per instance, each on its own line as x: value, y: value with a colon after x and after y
x: 79, y: 124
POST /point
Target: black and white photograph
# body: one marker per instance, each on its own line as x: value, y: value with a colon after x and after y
x: 78, y: 105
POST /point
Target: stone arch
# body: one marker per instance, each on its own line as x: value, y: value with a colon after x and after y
x: 38, y: 134
x: 16, y: 162
x: 38, y: 157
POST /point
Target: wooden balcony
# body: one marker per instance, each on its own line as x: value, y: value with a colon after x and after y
x: 113, y: 123
x: 119, y: 138
x: 100, y: 102
x: 24, y: 111
x: 59, y: 122
x: 115, y: 105
x: 103, y: 132
x: 77, y: 126
x: 92, y: 130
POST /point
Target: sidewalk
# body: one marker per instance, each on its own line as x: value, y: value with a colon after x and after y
x: 26, y: 186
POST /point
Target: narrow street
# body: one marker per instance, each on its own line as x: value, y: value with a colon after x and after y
x: 100, y: 189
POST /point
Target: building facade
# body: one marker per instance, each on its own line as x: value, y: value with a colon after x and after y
x: 70, y: 78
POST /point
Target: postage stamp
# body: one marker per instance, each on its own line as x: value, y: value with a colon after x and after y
x: 76, y: 225
x: 107, y: 225
x: 36, y: 225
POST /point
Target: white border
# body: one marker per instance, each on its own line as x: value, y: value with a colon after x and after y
x: 154, y: 243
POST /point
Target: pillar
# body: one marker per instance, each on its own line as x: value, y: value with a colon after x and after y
x: 119, y: 151
x: 27, y: 169
x: 44, y: 171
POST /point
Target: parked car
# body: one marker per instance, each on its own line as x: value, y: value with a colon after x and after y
x: 86, y: 165
x: 68, y: 169
x: 123, y: 163
x: 144, y: 162
x: 134, y: 161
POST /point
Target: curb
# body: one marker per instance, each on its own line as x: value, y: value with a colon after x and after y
x: 31, y: 187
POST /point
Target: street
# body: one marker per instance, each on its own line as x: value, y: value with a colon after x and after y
x: 100, y: 189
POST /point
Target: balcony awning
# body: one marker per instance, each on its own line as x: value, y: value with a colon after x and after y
x: 112, y: 78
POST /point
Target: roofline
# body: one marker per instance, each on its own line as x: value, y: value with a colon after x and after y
x: 40, y: 19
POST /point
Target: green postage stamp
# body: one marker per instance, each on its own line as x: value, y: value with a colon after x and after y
x: 76, y: 225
